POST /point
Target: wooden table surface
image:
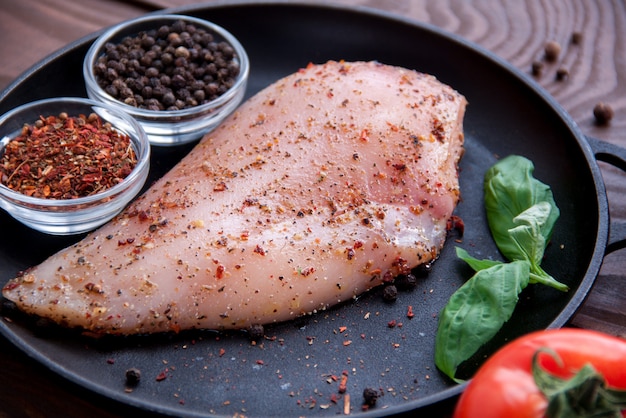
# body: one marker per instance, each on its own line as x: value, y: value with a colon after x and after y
x: 515, y: 30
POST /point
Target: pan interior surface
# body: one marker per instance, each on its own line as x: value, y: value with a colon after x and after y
x: 297, y: 368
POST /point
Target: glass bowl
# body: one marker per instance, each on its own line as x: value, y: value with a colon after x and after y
x: 65, y: 216
x: 165, y: 127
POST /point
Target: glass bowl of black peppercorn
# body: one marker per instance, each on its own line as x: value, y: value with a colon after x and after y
x: 70, y: 164
x: 178, y: 76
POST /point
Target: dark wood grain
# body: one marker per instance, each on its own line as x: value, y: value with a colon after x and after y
x: 515, y: 30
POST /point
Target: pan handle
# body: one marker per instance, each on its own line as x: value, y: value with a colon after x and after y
x: 616, y: 156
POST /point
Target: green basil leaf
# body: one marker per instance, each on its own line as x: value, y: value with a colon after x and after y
x: 510, y: 190
x: 475, y: 263
x: 477, y: 311
x: 527, y: 236
x: 531, y: 242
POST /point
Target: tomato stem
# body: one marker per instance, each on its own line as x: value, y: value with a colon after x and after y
x: 586, y: 394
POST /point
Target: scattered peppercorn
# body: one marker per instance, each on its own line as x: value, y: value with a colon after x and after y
x: 537, y: 68
x: 173, y: 67
x: 577, y: 38
x: 422, y: 270
x: 370, y: 396
x: 256, y: 332
x: 406, y: 281
x: 562, y: 73
x: 603, y: 113
x: 552, y: 51
x: 133, y: 376
x: 66, y: 157
x: 390, y: 293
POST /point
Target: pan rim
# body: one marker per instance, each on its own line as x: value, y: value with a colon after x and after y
x: 569, y: 310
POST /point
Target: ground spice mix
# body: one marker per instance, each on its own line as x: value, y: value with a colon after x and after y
x: 66, y: 157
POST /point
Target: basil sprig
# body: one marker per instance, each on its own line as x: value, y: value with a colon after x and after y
x: 521, y: 213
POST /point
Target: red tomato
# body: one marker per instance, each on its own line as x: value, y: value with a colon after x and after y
x: 504, y: 386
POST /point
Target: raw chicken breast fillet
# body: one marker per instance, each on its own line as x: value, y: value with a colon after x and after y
x: 320, y: 187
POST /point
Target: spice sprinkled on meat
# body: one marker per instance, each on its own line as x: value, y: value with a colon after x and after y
x: 314, y: 191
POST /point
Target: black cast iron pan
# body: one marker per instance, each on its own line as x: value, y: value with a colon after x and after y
x: 292, y: 372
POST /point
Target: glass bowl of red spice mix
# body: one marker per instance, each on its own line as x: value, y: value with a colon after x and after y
x: 68, y: 165
x: 178, y: 76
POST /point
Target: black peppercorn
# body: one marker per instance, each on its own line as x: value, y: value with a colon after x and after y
x: 422, y: 270
x: 406, y: 281
x: 390, y: 293
x: 172, y: 59
x: 536, y: 68
x: 256, y: 332
x: 168, y: 99
x: 562, y: 73
x: 603, y: 113
x: 552, y: 51
x: 370, y: 396
x: 133, y: 376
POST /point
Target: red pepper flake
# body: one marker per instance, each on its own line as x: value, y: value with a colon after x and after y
x: 66, y: 157
x: 110, y: 361
x: 162, y: 376
x: 402, y: 265
x: 307, y: 271
x: 222, y: 352
x: 343, y: 385
x: 219, y: 272
x: 260, y: 362
x: 409, y: 313
x: 388, y: 277
x: 438, y: 130
x: 457, y: 224
x: 259, y: 250
x: 220, y: 187
x: 394, y: 128
x: 392, y: 323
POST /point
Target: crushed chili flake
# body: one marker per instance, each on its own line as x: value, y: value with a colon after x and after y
x: 66, y: 157
x: 457, y: 224
x: 343, y: 385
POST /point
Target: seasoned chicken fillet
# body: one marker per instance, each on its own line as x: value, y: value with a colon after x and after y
x: 317, y: 189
